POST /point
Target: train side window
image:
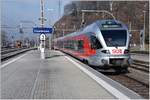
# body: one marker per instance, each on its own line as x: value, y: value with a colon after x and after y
x: 80, y: 44
x: 69, y: 44
x: 61, y: 44
x: 95, y: 43
x: 65, y: 45
x: 75, y: 45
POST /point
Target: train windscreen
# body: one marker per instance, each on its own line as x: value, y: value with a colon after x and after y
x: 114, y: 37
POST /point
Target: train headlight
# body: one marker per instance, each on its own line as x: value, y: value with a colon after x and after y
x: 126, y: 51
x: 105, y: 51
x: 104, y: 61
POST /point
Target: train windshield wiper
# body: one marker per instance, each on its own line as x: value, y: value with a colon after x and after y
x: 115, y: 44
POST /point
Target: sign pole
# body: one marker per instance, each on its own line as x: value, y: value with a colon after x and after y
x: 42, y: 36
x: 42, y: 30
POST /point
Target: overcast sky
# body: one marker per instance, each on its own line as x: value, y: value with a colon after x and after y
x: 14, y: 11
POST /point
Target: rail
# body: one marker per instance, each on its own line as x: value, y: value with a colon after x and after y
x: 140, y: 65
x: 8, y: 53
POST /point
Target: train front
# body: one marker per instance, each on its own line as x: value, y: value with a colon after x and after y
x: 115, y: 39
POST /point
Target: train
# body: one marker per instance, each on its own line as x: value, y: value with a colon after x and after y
x: 18, y: 44
x: 104, y: 43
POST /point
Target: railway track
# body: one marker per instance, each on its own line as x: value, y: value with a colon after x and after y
x: 140, y: 65
x: 8, y: 50
x: 136, y: 79
x: 8, y: 53
x: 133, y: 84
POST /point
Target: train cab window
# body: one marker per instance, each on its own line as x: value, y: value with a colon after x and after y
x: 114, y: 37
x: 95, y: 43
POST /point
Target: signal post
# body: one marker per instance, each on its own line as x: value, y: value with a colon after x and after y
x: 43, y: 31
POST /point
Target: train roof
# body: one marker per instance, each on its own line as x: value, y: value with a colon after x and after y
x: 110, y: 24
x: 102, y: 24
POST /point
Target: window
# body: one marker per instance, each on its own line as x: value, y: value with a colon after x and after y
x: 80, y: 44
x: 75, y: 45
x: 71, y: 44
x: 95, y: 43
x: 114, y: 37
x: 59, y: 44
x: 68, y: 44
x: 65, y: 44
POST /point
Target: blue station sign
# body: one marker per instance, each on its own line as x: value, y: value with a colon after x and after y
x: 42, y: 30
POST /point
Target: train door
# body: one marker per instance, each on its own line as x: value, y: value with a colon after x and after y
x: 95, y: 46
x: 95, y: 43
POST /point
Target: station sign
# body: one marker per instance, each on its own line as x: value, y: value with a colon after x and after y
x: 42, y: 37
x: 43, y: 30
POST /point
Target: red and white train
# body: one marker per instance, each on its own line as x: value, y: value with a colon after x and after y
x: 103, y: 43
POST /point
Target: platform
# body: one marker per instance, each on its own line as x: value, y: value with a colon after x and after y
x: 56, y: 77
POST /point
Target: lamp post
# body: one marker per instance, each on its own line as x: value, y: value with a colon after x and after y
x: 50, y: 39
x: 22, y: 33
x: 143, y: 42
x: 42, y: 40
x: 50, y: 10
x: 63, y: 24
x: 111, y: 4
x: 143, y: 35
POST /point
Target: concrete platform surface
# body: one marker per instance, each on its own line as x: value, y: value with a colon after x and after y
x: 30, y: 77
x: 53, y: 78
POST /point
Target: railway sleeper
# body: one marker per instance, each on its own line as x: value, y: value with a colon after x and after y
x: 145, y: 69
x: 141, y: 64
